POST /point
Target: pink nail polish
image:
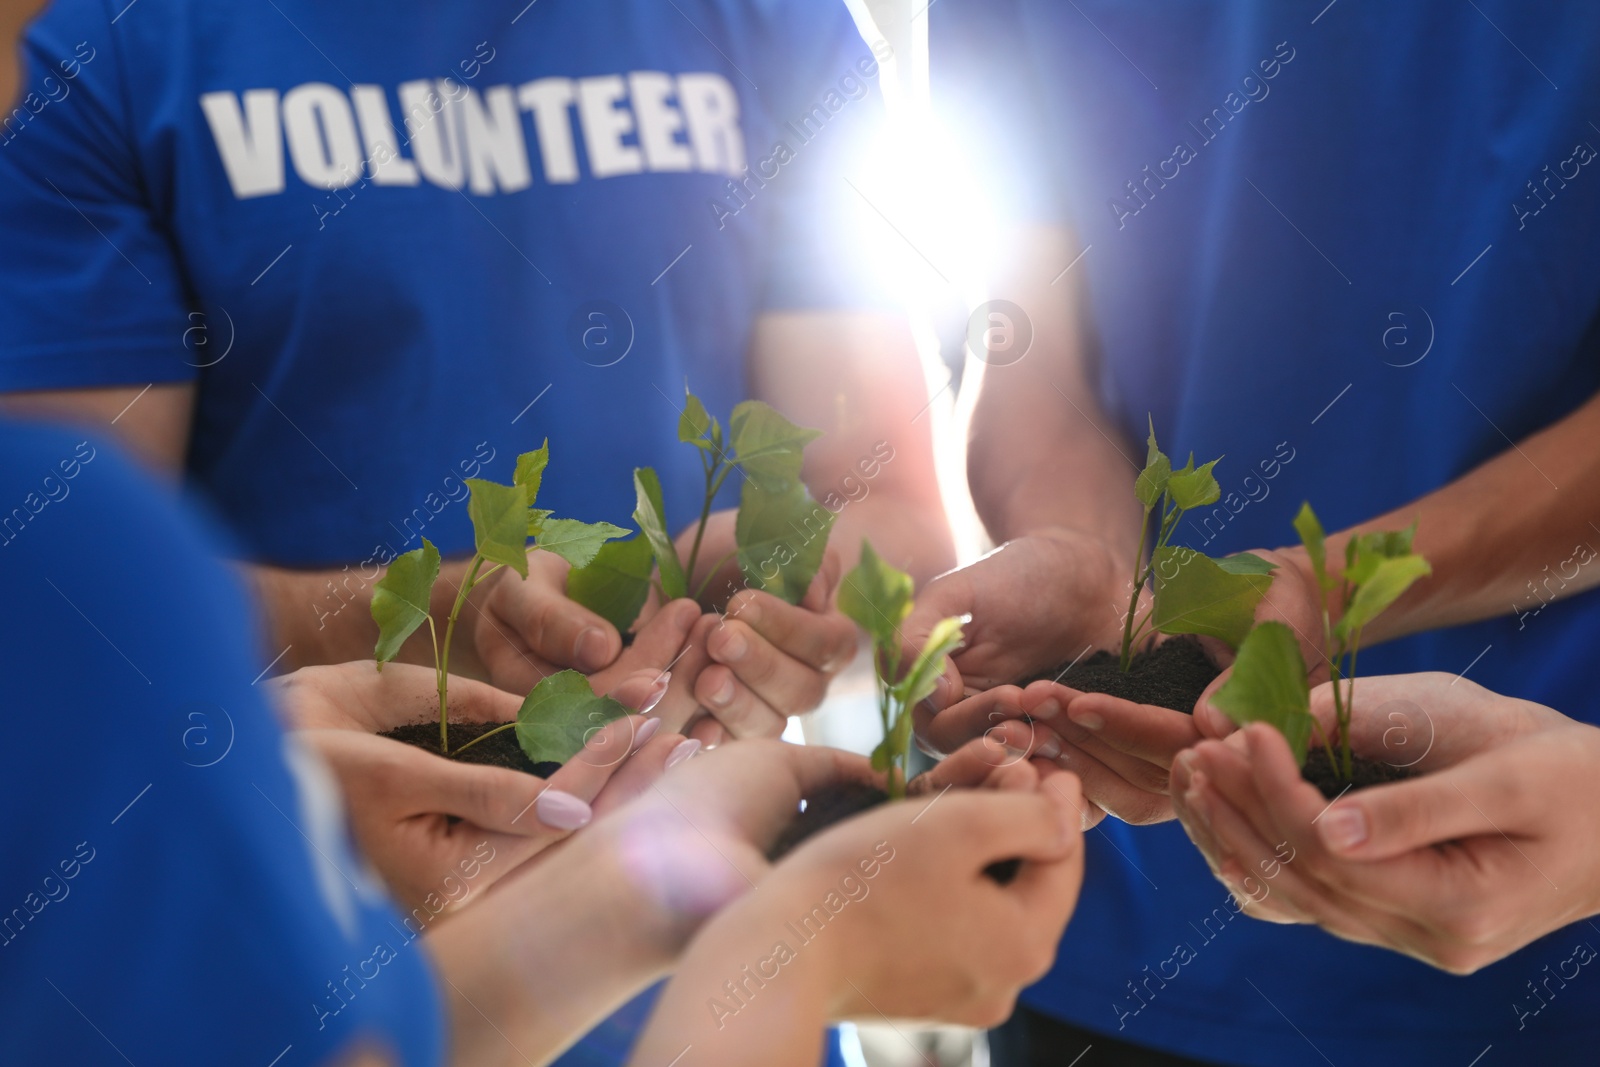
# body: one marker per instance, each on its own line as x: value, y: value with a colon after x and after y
x: 562, y: 811
x: 686, y: 748
x: 658, y: 691
x: 646, y: 731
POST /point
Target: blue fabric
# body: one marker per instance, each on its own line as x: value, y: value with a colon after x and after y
x: 178, y: 886
x: 1346, y: 284
x: 362, y: 349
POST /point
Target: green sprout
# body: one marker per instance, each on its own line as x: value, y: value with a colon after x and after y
x: 780, y: 533
x: 878, y: 598
x: 504, y: 519
x: 1269, y: 682
x: 1192, y: 593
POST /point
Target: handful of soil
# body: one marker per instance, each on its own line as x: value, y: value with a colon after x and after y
x: 1170, y: 675
x: 841, y: 801
x: 501, y: 750
x: 1364, y: 773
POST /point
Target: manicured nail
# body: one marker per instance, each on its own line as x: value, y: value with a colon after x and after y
x: 1343, y: 828
x: 723, y: 696
x: 1049, y: 748
x: 1086, y: 718
x: 686, y: 748
x: 658, y: 689
x: 732, y: 648
x: 1048, y: 709
x: 563, y: 811
x: 646, y: 732
x: 589, y: 651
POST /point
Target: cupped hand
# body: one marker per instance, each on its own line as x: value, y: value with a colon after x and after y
x: 767, y: 659
x: 431, y: 825
x: 1487, y: 850
x: 1034, y: 603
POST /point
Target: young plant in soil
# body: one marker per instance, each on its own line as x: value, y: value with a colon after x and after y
x: 559, y: 712
x: 780, y: 533
x: 1269, y: 682
x: 1191, y: 594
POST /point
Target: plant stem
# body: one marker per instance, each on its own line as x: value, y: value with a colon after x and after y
x: 438, y: 681
x: 1141, y: 574
x: 442, y: 657
x: 486, y: 733
x: 710, y: 466
x: 1350, y: 699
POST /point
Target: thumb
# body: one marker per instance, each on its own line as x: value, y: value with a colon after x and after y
x: 1472, y: 798
x: 820, y: 593
x: 1210, y: 719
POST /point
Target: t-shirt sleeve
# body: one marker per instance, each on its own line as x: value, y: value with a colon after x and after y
x: 90, y: 289
x: 178, y: 885
x: 830, y: 109
x: 983, y: 86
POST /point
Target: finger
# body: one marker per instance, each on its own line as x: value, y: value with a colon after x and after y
x: 825, y: 640
x: 819, y: 595
x: 667, y: 643
x: 1003, y: 825
x: 788, y: 685
x: 1143, y: 731
x: 638, y: 772
x: 554, y: 626
x: 974, y: 717
x: 1111, y: 791
x: 1052, y: 888
x: 470, y: 700
x: 1244, y: 853
x: 1477, y: 796
x: 1208, y: 718
x: 984, y: 761
x: 708, y: 731
x: 732, y: 703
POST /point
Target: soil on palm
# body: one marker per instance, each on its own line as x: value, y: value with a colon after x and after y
x: 1364, y: 773
x: 501, y: 750
x: 1171, y: 675
x: 841, y: 801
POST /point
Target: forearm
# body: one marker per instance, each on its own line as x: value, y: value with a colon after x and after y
x: 1041, y: 452
x: 325, y: 616
x: 1510, y: 536
x: 720, y: 1005
x: 540, y: 961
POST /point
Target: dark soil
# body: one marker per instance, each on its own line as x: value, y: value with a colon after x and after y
x: 839, y: 802
x: 1172, y: 675
x: 501, y: 750
x: 1364, y: 773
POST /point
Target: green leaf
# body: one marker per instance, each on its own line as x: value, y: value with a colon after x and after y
x: 1152, y: 481
x: 400, y: 599
x: 530, y: 470
x: 884, y: 754
x: 1309, y: 527
x: 877, y: 597
x: 577, y: 542
x: 919, y: 682
x: 1195, y: 594
x: 1194, y: 488
x: 1268, y: 685
x: 616, y: 582
x: 694, y: 424
x: 558, y: 716
x: 1389, y: 579
x: 781, y: 538
x: 500, y: 522
x: 651, y: 515
x: 1246, y: 563
x: 536, y: 520
x: 767, y: 446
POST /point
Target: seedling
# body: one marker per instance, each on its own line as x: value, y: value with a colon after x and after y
x: 878, y: 598
x: 556, y: 715
x: 1269, y: 682
x: 1192, y: 593
x: 780, y: 534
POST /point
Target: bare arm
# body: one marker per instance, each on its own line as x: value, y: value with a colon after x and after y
x: 856, y: 376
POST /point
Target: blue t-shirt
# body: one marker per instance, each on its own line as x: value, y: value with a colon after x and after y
x: 396, y: 245
x: 178, y: 885
x: 1352, y: 248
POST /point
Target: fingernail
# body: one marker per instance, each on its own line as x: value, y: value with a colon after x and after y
x: 1197, y: 803
x: 1343, y: 828
x: 1049, y: 748
x: 723, y: 696
x: 563, y: 811
x: 589, y: 651
x: 647, y: 731
x: 685, y: 749
x: 1186, y: 760
x: 1086, y: 718
x: 657, y: 691
x: 732, y: 648
x: 1048, y: 709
